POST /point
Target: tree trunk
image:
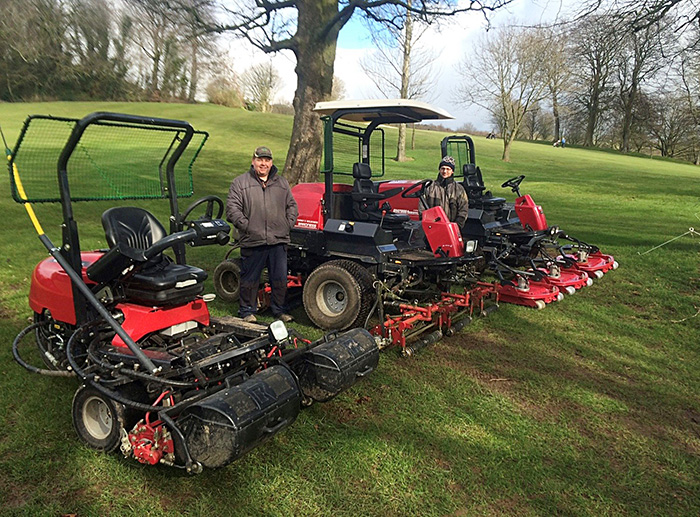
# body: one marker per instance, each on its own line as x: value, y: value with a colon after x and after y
x: 507, y: 141
x: 627, y: 122
x: 592, y: 118
x: 557, y: 121
x: 315, y: 54
x: 194, y: 69
x: 405, y: 81
x: 401, y: 144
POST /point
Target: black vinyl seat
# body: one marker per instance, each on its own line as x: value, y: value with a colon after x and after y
x: 366, y: 199
x: 474, y: 186
x: 130, y: 232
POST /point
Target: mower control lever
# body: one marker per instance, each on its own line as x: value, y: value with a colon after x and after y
x: 169, y: 241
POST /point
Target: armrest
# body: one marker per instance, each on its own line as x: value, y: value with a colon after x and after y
x: 363, y: 196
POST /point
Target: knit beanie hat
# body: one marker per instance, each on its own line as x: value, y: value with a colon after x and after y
x: 447, y: 161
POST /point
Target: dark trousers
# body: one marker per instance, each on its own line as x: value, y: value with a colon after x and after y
x: 253, y: 260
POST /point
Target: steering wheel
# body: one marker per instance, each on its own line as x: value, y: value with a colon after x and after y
x: 514, y: 183
x: 416, y: 190
x: 210, y: 201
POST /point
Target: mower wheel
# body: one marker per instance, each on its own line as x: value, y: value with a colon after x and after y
x: 338, y: 295
x: 227, y: 280
x: 97, y: 419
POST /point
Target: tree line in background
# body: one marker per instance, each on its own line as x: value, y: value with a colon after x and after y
x: 599, y: 80
x: 607, y: 79
x: 133, y: 50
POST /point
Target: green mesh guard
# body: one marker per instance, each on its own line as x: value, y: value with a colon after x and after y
x: 112, y: 161
x: 459, y: 150
x: 347, y: 149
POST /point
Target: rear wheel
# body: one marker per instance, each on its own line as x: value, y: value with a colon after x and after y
x: 227, y: 280
x: 338, y: 295
x: 97, y: 419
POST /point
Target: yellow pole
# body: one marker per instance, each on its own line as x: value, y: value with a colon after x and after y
x: 23, y: 196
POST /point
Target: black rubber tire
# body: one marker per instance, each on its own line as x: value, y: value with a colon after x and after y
x: 227, y: 280
x: 52, y: 337
x: 97, y: 419
x: 338, y: 295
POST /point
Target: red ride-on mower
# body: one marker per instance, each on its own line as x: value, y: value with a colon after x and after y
x: 358, y: 257
x: 535, y: 263
x: 160, y: 378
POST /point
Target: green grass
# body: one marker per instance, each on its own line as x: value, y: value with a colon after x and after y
x: 589, y: 407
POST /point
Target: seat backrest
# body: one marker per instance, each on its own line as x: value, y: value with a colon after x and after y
x: 131, y: 227
x: 361, y: 171
x: 363, y: 185
x: 472, y: 176
x: 473, y: 182
x: 363, y: 179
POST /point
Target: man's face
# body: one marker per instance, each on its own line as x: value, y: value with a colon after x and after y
x: 446, y: 171
x: 262, y: 166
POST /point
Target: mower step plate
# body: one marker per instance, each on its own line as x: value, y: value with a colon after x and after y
x: 237, y: 325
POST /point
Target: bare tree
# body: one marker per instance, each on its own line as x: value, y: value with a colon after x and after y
x: 595, y: 41
x: 310, y: 28
x: 223, y: 87
x: 557, y: 72
x: 339, y: 90
x: 638, y: 15
x: 35, y: 53
x: 155, y: 36
x: 397, y: 66
x: 261, y: 83
x: 504, y: 76
x: 640, y: 56
x: 690, y: 79
x: 671, y: 123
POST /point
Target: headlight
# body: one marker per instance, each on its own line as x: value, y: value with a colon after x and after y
x: 470, y: 246
x: 277, y: 332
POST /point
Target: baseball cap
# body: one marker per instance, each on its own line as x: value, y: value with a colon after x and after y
x: 262, y: 152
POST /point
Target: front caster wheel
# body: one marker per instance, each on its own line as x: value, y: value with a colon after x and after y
x: 227, y: 280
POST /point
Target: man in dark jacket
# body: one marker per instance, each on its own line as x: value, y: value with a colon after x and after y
x: 447, y: 193
x: 261, y: 206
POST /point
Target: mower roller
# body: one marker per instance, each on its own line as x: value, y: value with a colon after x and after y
x: 160, y: 378
x: 358, y: 258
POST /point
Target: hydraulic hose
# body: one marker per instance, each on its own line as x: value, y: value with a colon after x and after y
x: 26, y: 365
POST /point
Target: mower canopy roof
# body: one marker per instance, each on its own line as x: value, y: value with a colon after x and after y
x: 381, y: 111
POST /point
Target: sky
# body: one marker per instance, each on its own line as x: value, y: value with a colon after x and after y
x: 449, y: 43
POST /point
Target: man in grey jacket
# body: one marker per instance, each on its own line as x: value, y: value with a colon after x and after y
x: 261, y: 206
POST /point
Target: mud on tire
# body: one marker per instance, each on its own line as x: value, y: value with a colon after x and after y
x: 338, y: 295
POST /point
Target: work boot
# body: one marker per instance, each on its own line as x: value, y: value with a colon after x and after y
x: 250, y: 318
x: 285, y: 318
